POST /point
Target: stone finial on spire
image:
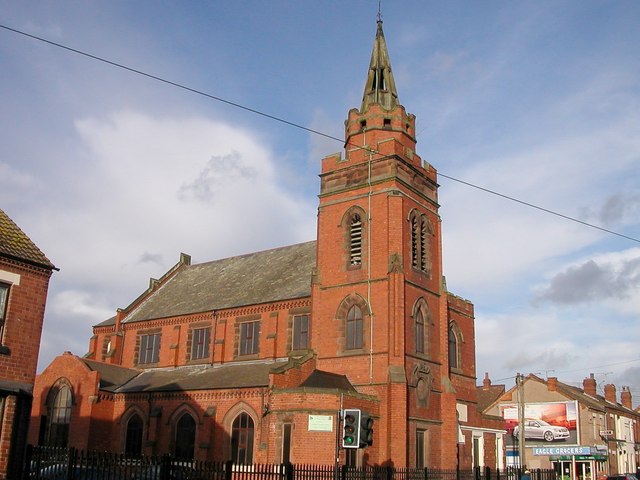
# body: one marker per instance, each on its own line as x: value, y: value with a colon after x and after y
x: 380, y: 87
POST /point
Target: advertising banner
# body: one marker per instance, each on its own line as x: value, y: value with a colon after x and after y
x: 546, y: 424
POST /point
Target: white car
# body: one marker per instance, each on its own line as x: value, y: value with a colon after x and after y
x: 542, y: 430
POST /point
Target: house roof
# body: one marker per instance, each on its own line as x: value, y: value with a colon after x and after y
x: 272, y: 275
x: 598, y: 401
x: 201, y: 377
x: 487, y: 396
x: 15, y: 244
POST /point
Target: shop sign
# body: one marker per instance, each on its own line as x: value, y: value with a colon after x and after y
x: 601, y: 458
x: 572, y: 451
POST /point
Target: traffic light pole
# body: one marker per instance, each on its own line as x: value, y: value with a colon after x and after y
x: 336, y: 468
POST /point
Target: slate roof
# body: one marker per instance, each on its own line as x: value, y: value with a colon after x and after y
x: 322, y: 379
x: 117, y: 379
x: 111, y: 376
x: 272, y: 275
x: 598, y: 401
x: 107, y: 322
x: 15, y: 244
x: 202, y: 377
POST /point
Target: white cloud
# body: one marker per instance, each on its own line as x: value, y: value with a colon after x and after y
x: 77, y: 305
x: 9, y: 175
x: 152, y: 188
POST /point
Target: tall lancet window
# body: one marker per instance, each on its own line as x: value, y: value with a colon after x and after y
x: 455, y: 340
x: 419, y: 319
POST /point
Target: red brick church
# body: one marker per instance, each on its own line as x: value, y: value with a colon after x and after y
x: 251, y: 358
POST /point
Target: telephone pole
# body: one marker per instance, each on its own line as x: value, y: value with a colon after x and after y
x: 521, y: 406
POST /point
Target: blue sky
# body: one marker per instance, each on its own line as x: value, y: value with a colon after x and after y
x: 114, y: 174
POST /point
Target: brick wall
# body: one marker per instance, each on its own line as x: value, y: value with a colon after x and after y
x: 85, y: 393
x: 23, y: 325
x: 20, y: 345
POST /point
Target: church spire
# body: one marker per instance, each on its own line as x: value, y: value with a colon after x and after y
x: 380, y: 87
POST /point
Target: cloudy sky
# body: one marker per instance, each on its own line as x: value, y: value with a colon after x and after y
x: 113, y: 173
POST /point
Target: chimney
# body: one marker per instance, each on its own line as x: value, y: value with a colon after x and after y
x: 610, y: 392
x: 589, y: 385
x: 552, y: 384
x: 486, y: 383
x: 625, y: 398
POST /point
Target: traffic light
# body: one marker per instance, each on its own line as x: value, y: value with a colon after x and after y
x: 366, y: 430
x: 351, y: 428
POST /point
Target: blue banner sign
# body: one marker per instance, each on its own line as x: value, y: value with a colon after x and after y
x: 562, y: 450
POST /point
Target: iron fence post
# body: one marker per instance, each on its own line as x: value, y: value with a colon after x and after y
x: 228, y: 470
x: 71, y: 462
x: 288, y: 469
x: 390, y: 472
x: 27, y: 462
x: 165, y: 466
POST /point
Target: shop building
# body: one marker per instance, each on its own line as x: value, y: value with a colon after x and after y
x: 579, y: 432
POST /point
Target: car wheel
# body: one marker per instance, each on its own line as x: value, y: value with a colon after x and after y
x: 548, y: 436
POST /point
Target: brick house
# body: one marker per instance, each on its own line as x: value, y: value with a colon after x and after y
x: 600, y: 435
x: 251, y: 358
x: 24, y: 282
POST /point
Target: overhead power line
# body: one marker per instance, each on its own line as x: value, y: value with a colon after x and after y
x: 301, y: 127
x: 531, y: 205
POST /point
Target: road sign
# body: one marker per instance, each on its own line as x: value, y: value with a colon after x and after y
x: 606, y: 433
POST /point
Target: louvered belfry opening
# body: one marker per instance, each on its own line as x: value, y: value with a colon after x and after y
x: 355, y: 235
x: 414, y: 242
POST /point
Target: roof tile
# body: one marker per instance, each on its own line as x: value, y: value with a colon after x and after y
x: 16, y: 244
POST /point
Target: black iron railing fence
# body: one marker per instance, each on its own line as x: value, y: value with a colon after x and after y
x: 46, y: 463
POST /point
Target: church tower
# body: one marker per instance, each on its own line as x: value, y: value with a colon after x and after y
x: 379, y: 306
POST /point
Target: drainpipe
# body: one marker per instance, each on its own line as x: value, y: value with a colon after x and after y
x: 213, y: 340
x: 369, y: 261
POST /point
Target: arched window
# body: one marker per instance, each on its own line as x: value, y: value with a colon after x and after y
x: 355, y: 240
x: 133, y: 438
x: 185, y: 436
x: 421, y: 326
x: 454, y: 347
x: 59, y: 410
x: 242, y: 440
x: 420, y: 337
x: 354, y: 328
